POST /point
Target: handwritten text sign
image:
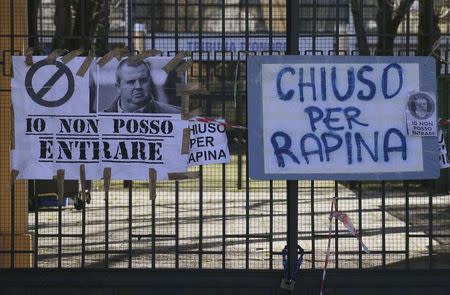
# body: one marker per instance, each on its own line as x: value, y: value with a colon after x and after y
x: 338, y: 118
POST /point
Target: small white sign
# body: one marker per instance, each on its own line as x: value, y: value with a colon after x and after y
x: 421, y: 115
x: 208, y: 144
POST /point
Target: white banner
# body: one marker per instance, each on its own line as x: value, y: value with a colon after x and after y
x: 123, y: 116
x: 208, y: 144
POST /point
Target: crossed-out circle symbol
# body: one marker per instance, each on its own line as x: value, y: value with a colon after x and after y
x: 37, y: 97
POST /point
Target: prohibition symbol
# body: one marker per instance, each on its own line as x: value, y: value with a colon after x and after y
x: 37, y: 97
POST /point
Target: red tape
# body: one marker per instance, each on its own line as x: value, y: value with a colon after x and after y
x: 349, y: 226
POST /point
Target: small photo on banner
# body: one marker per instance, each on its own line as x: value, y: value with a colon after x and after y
x: 208, y: 144
x: 129, y: 86
x: 421, y: 115
x: 443, y: 156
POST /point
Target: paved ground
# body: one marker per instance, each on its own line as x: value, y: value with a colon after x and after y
x: 215, y: 229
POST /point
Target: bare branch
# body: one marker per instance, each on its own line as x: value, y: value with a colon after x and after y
x: 400, y: 13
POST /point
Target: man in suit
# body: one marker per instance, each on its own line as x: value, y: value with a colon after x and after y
x: 136, y: 91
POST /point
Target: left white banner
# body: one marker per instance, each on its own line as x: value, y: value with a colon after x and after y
x: 57, y: 125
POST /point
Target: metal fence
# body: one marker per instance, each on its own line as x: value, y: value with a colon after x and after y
x: 224, y: 220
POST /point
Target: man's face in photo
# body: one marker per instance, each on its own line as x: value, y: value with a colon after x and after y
x: 134, y: 87
x: 421, y: 105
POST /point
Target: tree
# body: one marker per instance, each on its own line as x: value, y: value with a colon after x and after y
x: 95, y: 21
x: 429, y: 31
x: 390, y: 14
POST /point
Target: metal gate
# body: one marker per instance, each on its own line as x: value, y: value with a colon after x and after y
x: 224, y: 232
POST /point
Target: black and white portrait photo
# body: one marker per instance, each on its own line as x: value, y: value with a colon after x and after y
x: 135, y: 87
x: 421, y: 106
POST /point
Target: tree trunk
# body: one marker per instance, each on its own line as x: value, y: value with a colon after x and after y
x: 361, y: 36
x: 385, y: 30
x: 388, y: 22
x: 94, y: 18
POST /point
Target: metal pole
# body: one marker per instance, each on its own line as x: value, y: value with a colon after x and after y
x: 292, y: 23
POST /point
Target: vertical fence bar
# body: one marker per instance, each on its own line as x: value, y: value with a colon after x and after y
x: 247, y: 191
x: 12, y: 244
x: 383, y: 223
x: 130, y: 223
x: 106, y: 228
x: 83, y: 212
x: 314, y: 28
x: 200, y: 192
x: 270, y: 27
x: 313, y: 227
x: 360, y: 224
x: 106, y: 22
x: 200, y: 219
x: 271, y: 231
x: 271, y: 224
x: 60, y: 233
x: 177, y: 224
x: 406, y: 186
x: 336, y: 227
x: 13, y: 226
x: 83, y: 22
x: 83, y: 217
x: 59, y: 23
x: 36, y: 226
x: 292, y: 30
x: 153, y: 234
x: 222, y: 90
x: 408, y: 31
x: 337, y: 31
x: 83, y: 233
x: 176, y: 26
x: 430, y: 225
x: 58, y: 33
x: 152, y: 24
x: 130, y: 26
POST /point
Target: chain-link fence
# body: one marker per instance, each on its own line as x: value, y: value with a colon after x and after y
x: 224, y: 220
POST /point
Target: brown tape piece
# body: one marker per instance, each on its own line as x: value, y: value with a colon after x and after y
x: 83, y: 182
x: 71, y: 55
x: 184, y: 107
x: 194, y: 113
x: 87, y: 63
x: 106, y: 179
x: 184, y: 67
x: 185, y: 145
x: 121, y: 52
x: 60, y: 183
x: 107, y: 57
x: 29, y: 56
x: 136, y: 59
x: 13, y: 129
x: 190, y: 88
x: 151, y: 52
x: 54, y: 55
x: 172, y: 64
x: 183, y: 175
x: 13, y: 177
x: 152, y: 183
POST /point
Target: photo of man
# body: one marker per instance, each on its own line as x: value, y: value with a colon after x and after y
x: 129, y: 87
x: 421, y: 106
